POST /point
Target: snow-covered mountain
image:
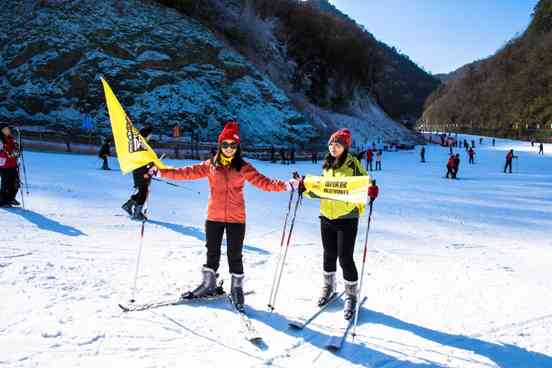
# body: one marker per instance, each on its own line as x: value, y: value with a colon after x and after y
x: 164, y: 67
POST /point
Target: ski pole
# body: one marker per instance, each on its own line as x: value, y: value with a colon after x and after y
x: 132, y: 300
x: 175, y: 185
x: 281, y: 248
x: 23, y: 160
x: 362, y: 270
x: 283, y: 262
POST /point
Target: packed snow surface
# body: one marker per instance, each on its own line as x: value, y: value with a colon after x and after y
x: 458, y: 271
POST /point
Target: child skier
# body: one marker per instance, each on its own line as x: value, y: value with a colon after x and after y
x: 227, y: 173
x: 135, y: 205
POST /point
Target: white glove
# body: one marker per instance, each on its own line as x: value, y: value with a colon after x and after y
x: 292, y: 184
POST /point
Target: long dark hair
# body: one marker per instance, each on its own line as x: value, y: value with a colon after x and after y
x: 237, y: 161
x: 331, y: 162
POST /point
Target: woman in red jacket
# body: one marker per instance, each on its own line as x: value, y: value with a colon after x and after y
x: 227, y: 173
x: 9, y: 151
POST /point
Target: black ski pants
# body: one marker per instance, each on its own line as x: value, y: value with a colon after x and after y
x: 105, y: 164
x: 10, y: 184
x: 338, y: 240
x: 235, y: 233
x: 142, y: 185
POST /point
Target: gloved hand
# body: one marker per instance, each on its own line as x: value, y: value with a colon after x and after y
x: 293, y: 184
x: 153, y: 171
x: 373, y: 191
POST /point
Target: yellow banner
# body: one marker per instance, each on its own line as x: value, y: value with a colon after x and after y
x: 132, y: 149
x: 352, y: 189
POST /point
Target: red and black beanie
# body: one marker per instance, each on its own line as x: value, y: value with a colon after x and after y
x: 230, y: 132
x: 342, y: 136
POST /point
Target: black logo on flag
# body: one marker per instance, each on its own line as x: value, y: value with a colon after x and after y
x: 135, y: 140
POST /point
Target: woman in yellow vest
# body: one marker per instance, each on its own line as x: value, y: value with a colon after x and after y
x: 339, y: 224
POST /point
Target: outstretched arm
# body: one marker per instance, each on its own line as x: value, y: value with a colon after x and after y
x: 262, y: 182
x: 193, y: 172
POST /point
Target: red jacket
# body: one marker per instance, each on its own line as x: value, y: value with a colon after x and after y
x: 226, y: 202
x: 8, y: 153
x: 373, y: 191
x: 369, y: 154
x: 450, y: 163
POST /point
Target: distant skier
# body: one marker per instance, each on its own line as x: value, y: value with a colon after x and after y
x: 227, y: 173
x: 314, y: 156
x: 509, y: 157
x: 450, y: 167
x: 135, y: 205
x: 471, y: 154
x: 378, y: 160
x: 339, y: 224
x: 541, y: 149
x: 369, y: 158
x: 456, y: 167
x: 9, y: 171
x: 493, y: 142
x: 104, y: 154
x: 283, y: 156
x: 422, y: 154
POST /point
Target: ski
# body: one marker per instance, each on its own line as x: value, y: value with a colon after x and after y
x: 302, y: 322
x: 175, y: 301
x: 251, y: 333
x: 335, y: 342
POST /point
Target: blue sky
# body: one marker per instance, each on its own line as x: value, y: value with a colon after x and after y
x: 441, y: 35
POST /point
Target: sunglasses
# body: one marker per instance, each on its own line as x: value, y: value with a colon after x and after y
x: 226, y: 145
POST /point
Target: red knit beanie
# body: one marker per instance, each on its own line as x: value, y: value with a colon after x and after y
x: 230, y: 132
x: 342, y: 136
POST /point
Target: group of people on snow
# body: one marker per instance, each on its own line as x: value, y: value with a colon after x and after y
x: 227, y: 172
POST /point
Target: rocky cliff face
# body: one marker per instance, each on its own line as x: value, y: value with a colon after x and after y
x: 164, y: 67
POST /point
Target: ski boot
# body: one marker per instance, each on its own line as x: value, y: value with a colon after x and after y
x: 128, y: 206
x: 14, y: 202
x: 328, y: 289
x: 137, y: 213
x: 207, y: 287
x: 351, y: 292
x: 236, y: 292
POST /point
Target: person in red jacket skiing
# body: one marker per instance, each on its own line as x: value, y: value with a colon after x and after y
x: 450, y: 167
x: 9, y: 153
x: 509, y: 157
x: 227, y: 173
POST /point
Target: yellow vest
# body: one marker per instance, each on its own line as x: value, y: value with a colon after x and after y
x: 333, y: 209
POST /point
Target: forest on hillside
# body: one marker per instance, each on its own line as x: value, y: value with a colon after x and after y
x: 508, y: 94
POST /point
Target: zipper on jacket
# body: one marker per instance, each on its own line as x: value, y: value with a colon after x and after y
x: 226, y: 194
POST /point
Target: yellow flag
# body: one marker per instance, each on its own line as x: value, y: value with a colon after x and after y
x: 352, y: 189
x: 132, y: 149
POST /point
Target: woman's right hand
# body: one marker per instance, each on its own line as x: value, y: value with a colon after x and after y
x: 153, y: 171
